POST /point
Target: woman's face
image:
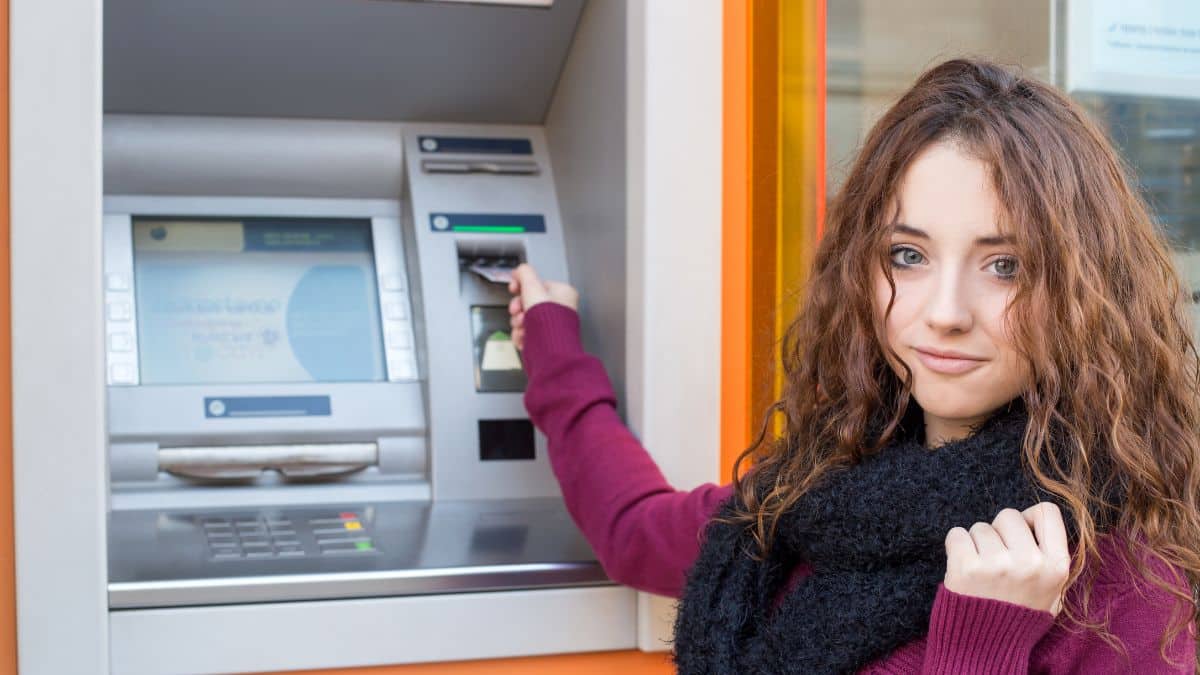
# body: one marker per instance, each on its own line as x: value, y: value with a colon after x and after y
x: 954, y: 276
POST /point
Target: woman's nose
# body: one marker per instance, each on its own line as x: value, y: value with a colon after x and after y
x: 948, y: 307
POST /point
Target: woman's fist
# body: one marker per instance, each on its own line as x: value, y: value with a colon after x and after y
x: 1021, y: 557
x: 530, y: 290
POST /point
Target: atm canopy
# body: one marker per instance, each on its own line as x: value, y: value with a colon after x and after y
x: 343, y: 59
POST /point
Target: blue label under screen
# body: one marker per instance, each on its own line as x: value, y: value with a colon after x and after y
x: 256, y: 300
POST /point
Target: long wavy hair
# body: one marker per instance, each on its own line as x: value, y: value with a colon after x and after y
x: 1099, y: 311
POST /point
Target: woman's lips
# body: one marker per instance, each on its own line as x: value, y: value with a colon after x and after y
x: 948, y: 365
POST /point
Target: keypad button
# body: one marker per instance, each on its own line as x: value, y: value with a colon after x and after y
x: 317, y: 522
x: 339, y: 548
x: 118, y: 282
x: 350, y: 538
x: 226, y: 555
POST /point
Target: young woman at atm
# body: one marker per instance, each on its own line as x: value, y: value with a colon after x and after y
x: 990, y: 456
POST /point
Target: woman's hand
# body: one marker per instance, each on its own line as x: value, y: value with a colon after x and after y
x: 1021, y: 557
x: 530, y: 290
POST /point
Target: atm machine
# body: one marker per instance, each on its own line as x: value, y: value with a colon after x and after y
x: 315, y: 399
x: 273, y: 418
x: 318, y: 398
x: 315, y: 412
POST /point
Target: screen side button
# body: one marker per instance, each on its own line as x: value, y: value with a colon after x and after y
x: 121, y: 373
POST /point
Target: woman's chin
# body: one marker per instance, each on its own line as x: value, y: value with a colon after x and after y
x: 952, y: 403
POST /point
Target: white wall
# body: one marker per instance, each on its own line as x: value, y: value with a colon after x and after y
x: 58, y: 359
x: 674, y: 247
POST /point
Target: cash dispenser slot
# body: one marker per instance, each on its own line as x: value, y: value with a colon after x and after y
x: 244, y: 462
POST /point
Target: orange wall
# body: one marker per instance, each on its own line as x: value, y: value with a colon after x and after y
x: 735, y: 240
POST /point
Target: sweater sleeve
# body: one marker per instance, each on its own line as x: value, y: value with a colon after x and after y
x: 1139, y: 621
x: 1139, y: 614
x: 981, y: 636
x: 644, y: 532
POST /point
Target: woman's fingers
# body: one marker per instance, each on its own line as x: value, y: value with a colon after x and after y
x: 1047, y: 523
x: 1021, y: 557
x: 530, y: 287
x: 987, y: 541
x: 1017, y: 536
x: 960, y: 549
x: 517, y: 322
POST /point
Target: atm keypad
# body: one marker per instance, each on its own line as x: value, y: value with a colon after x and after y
x: 259, y: 537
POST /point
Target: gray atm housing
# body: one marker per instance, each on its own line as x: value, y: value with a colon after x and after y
x: 470, y: 557
x: 437, y: 515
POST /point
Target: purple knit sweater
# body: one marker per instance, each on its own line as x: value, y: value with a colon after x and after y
x: 646, y: 535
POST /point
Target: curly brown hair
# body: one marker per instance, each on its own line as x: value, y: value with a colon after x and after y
x: 1099, y: 311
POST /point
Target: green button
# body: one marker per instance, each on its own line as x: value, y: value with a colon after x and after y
x: 364, y: 546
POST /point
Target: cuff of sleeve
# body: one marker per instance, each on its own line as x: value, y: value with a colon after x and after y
x: 551, y: 329
x: 980, y: 635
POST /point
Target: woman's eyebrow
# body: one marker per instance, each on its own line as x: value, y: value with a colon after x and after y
x: 909, y: 229
x: 995, y: 240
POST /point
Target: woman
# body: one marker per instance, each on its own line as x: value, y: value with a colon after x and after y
x: 989, y: 458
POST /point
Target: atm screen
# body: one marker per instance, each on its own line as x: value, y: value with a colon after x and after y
x: 256, y: 300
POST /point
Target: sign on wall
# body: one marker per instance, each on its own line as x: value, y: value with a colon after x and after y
x: 1149, y: 48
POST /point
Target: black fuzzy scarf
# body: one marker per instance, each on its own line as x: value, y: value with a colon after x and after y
x: 875, y: 537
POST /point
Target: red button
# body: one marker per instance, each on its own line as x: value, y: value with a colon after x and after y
x: 349, y: 516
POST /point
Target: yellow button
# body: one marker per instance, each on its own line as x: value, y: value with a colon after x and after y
x: 353, y: 525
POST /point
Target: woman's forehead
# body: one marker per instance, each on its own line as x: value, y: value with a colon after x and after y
x: 946, y: 193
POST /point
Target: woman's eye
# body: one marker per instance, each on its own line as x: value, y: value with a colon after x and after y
x: 903, y: 256
x: 1006, y: 267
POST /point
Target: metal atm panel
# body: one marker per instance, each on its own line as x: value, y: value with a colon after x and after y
x: 436, y: 504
